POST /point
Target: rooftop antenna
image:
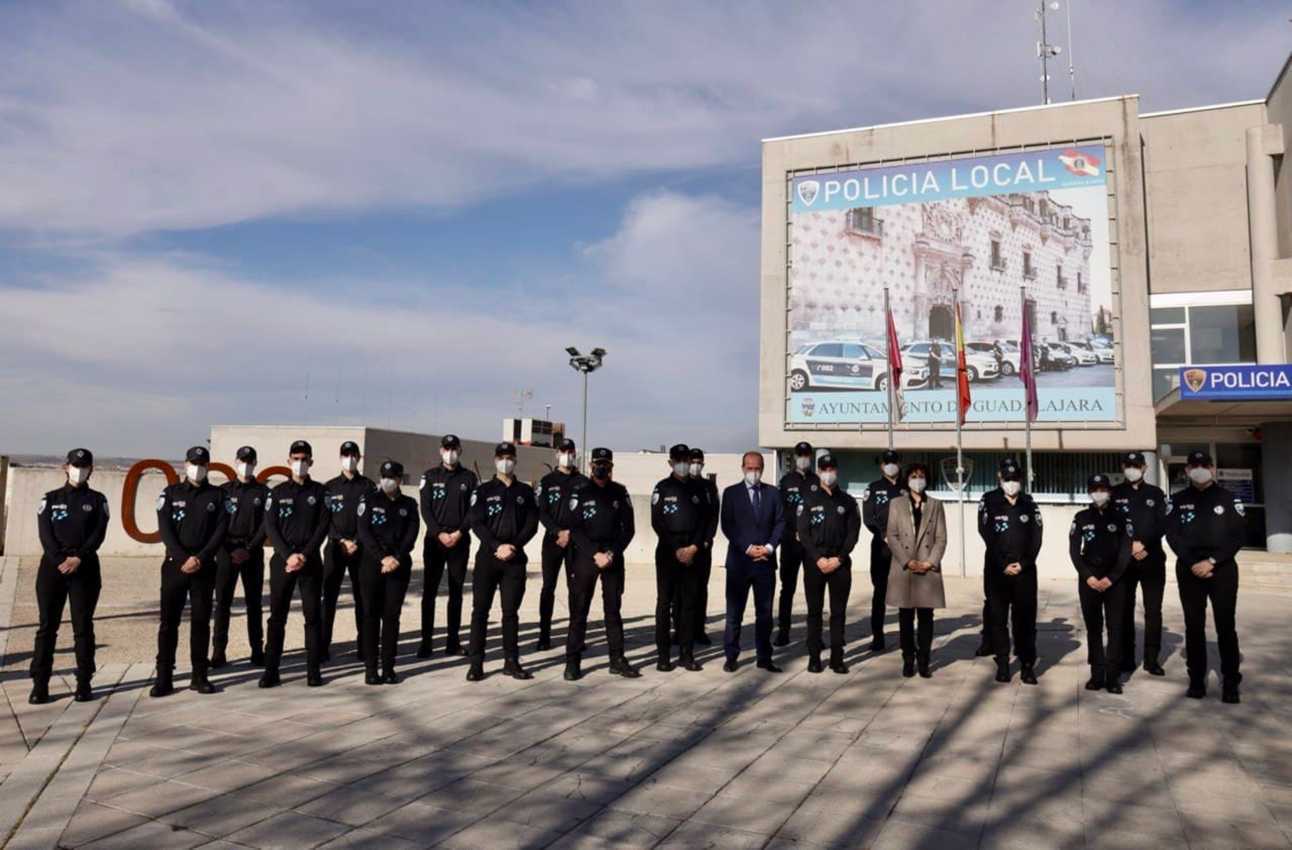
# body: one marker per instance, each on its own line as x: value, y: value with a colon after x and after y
x: 1045, y: 50
x: 1072, y: 70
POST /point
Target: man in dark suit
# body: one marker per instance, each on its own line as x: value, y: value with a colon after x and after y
x: 752, y: 521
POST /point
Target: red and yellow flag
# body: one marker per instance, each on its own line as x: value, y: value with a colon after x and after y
x: 962, y: 371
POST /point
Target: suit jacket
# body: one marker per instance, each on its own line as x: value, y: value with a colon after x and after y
x: 905, y: 588
x: 743, y: 529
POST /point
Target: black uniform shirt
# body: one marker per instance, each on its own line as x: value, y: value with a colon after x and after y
x: 245, y: 502
x: 1012, y: 532
x: 504, y: 513
x: 297, y: 518
x: 679, y: 512
x: 553, y: 497
x: 1202, y: 524
x: 387, y: 526
x: 601, y: 517
x: 1099, y: 542
x: 794, y: 487
x: 446, y: 499
x: 72, y: 522
x: 192, y: 519
x: 343, y: 497
x: 829, y: 525
x: 715, y: 508
x: 1145, y: 506
x: 874, y: 508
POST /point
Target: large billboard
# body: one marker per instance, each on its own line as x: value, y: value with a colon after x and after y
x: 985, y: 229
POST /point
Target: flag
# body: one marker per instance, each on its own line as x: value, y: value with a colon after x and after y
x: 962, y: 371
x: 1026, y: 367
x: 894, y: 361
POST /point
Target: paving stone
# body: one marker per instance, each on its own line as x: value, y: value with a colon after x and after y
x: 288, y: 831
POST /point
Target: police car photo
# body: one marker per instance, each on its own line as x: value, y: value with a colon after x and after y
x: 847, y: 364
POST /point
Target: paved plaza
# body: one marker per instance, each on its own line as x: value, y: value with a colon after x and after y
x: 677, y: 760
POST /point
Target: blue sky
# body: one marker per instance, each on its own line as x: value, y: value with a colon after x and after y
x: 401, y: 213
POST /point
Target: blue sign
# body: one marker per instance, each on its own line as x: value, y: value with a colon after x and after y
x: 1236, y: 383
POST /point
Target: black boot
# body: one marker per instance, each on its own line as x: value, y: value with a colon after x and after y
x: 619, y: 666
x: 1096, y: 681
x: 1152, y: 667
x: 1028, y: 674
x: 512, y: 668
x: 454, y: 649
x: 877, y: 643
x: 476, y: 672
x: 257, y: 657
x: 544, y: 641
x: 984, y: 649
x: 314, y: 677
x: 390, y: 677
x: 200, y: 683
x: 84, y: 691
x: 1197, y: 690
x: 922, y: 664
x: 908, y: 666
x: 218, y: 658
x: 39, y: 692
x: 162, y: 685
x: 269, y: 679
x: 782, y: 638
x: 371, y: 676
x: 814, y: 663
x: 664, y: 665
x: 1114, y: 685
x: 692, y: 665
x: 836, y: 662
x: 572, y: 671
x: 1002, y: 670
x: 1229, y: 690
x: 424, y: 648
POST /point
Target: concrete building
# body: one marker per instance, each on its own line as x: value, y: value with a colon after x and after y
x: 1181, y: 264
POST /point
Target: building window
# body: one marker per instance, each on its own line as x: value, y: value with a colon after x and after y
x: 1081, y: 283
x: 862, y: 221
x: 1059, y: 280
x: 1029, y: 271
x: 1222, y: 334
x: 1054, y: 317
x: 1184, y: 333
x: 997, y: 259
x: 999, y: 314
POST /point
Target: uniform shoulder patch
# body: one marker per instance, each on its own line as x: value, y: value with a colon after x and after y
x: 574, y: 502
x: 161, y: 501
x: 654, y: 496
x: 474, y: 494
x: 421, y: 485
x: 40, y: 509
x: 865, y: 495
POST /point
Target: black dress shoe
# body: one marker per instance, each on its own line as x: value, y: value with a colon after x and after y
x: 814, y: 664
x: 162, y: 686
x: 1153, y: 668
x: 1028, y: 675
x: 544, y: 643
x: 703, y: 640
x: 782, y: 639
x: 314, y: 679
x: 1002, y: 673
x: 454, y: 651
x: 664, y: 665
x: 269, y: 679
x: 1114, y: 684
x: 1196, y: 691
x: 573, y: 671
x: 984, y: 650
x: 201, y: 684
x: 218, y: 659
x: 877, y: 644
x: 692, y: 665
x: 768, y: 665
x: 390, y: 677
x: 39, y: 693
x: 84, y: 691
x: 1230, y: 695
x: 731, y: 666
x: 424, y: 649
x: 371, y: 678
x: 513, y: 669
x: 257, y: 658
x: 908, y: 668
x: 839, y: 667
x: 620, y: 667
x: 922, y: 665
x: 476, y: 673
x: 1096, y: 682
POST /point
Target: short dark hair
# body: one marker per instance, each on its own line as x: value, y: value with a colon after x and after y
x: 912, y: 468
x: 746, y: 456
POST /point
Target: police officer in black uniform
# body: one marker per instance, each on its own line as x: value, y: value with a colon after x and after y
x: 794, y: 486
x: 601, y: 527
x: 296, y: 522
x: 553, y: 496
x: 874, y: 513
x: 1144, y: 506
x: 193, y: 521
x: 829, y: 526
x: 504, y: 516
x: 72, y: 521
x: 242, y: 555
x: 387, y: 527
x: 446, y: 499
x: 1010, y: 525
x: 343, y: 552
x: 1206, y: 528
x: 1099, y: 543
x: 703, y: 558
x: 680, y: 517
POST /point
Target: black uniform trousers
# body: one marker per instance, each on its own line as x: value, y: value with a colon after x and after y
x: 815, y: 585
x: 674, y: 578
x: 1150, y: 575
x: 383, y: 596
x: 1012, y: 599
x: 881, y: 559
x: 986, y: 605
x: 53, y: 591
x: 336, y: 563
x: 508, y: 579
x: 586, y: 575
x: 1222, y: 591
x: 791, y: 560
x: 916, y: 643
x: 435, y: 560
x: 703, y: 565
x: 227, y: 574
x: 1100, y: 610
x: 554, y: 558
x: 177, y: 588
x: 282, y: 586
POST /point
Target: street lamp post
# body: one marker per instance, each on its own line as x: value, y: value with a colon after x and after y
x: 585, y: 363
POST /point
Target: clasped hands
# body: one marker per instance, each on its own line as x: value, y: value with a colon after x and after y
x: 1203, y: 569
x: 919, y: 567
x: 1099, y: 584
x: 829, y: 565
x: 758, y: 553
x: 449, y: 539
x: 69, y: 565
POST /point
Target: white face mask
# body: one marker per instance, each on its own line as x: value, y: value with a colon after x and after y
x: 1133, y: 473
x: 828, y: 477
x: 450, y: 457
x: 752, y: 477
x: 565, y: 460
x: 803, y: 463
x: 1099, y: 497
x: 1199, y: 474
x: 349, y: 463
x: 300, y: 468
x: 504, y: 465
x: 695, y: 469
x: 916, y: 485
x: 390, y: 486
x: 1011, y: 488
x: 890, y: 469
x: 78, y: 475
x: 246, y: 470
x: 681, y: 468
x: 195, y: 472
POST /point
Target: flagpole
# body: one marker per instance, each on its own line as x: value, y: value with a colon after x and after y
x: 960, y: 459
x: 1027, y: 412
x: 892, y: 393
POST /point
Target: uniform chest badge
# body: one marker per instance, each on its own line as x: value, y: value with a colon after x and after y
x: 256, y: 501
x: 1024, y: 518
x: 463, y: 486
x: 87, y: 507
x: 1218, y: 510
x: 840, y: 510
x: 615, y: 504
x: 695, y: 500
x: 1112, y: 526
x: 210, y: 507
x: 311, y: 500
x: 1150, y: 502
x: 520, y: 500
x: 403, y: 511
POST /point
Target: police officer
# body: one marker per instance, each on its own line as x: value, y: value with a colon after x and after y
x: 1099, y: 543
x: 553, y: 496
x: 504, y: 516
x: 829, y: 526
x: 601, y: 527
x: 680, y: 517
x: 874, y: 513
x: 794, y: 486
x: 387, y: 528
x: 1144, y: 506
x: 703, y: 558
x: 341, y: 553
x: 446, y: 499
x: 296, y: 522
x: 72, y: 521
x: 1010, y: 525
x: 193, y: 521
x: 1206, y: 528
x: 242, y: 555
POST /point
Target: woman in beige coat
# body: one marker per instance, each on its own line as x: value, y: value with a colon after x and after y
x: 917, y: 537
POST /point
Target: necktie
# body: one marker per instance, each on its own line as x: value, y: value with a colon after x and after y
x: 753, y: 497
